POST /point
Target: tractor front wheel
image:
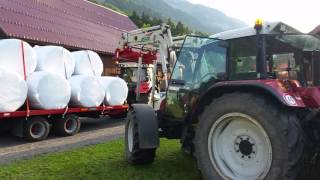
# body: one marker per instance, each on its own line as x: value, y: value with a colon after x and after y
x: 134, y: 154
x: 244, y: 136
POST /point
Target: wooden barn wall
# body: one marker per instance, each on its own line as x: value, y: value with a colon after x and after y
x: 109, y: 65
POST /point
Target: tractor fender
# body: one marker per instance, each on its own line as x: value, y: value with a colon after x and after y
x: 147, y: 126
x: 269, y: 87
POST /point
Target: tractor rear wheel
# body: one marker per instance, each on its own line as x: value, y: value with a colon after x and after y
x: 244, y: 136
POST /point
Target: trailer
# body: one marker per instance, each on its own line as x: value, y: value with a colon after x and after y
x: 35, y: 125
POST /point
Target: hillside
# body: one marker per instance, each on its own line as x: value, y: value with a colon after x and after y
x: 213, y: 18
x: 197, y: 17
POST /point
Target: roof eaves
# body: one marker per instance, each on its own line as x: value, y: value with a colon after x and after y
x: 46, y: 42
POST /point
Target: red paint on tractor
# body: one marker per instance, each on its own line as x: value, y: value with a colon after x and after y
x: 144, y: 88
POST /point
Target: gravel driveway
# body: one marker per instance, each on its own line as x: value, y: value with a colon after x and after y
x: 92, y: 132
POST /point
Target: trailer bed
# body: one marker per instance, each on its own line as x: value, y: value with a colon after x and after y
x: 103, y: 110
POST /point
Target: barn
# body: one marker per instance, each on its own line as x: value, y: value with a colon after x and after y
x: 73, y: 24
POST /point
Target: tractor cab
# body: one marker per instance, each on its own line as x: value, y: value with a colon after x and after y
x: 275, y: 59
x: 273, y: 51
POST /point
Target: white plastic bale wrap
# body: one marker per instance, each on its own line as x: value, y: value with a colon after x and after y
x: 13, y: 91
x: 48, y: 90
x: 11, y: 56
x: 86, y: 91
x: 116, y: 90
x: 87, y: 63
x: 55, y: 59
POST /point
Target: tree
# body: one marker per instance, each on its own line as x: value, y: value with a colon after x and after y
x: 136, y: 19
x: 180, y: 29
x: 172, y: 26
x: 145, y: 21
x: 146, y: 25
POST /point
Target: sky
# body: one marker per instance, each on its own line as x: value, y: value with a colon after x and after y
x: 303, y: 15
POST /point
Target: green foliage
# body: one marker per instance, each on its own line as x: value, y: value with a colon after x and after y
x: 177, y: 29
x: 104, y: 161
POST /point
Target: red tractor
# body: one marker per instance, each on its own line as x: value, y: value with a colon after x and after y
x: 130, y: 73
x: 245, y: 102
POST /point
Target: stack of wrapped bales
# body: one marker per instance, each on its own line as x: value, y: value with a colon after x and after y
x: 55, y: 59
x: 48, y: 87
x: 89, y: 88
x: 86, y: 91
x: 116, y: 90
x: 14, y: 54
x: 51, y: 77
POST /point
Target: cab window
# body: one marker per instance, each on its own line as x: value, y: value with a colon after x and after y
x: 243, y: 58
x: 200, y: 59
x: 212, y: 62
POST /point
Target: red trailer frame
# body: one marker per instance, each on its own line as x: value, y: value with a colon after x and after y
x: 102, y: 110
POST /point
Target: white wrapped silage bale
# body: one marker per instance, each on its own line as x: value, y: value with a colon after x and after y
x: 55, y: 59
x: 11, y: 56
x: 13, y: 91
x: 48, y: 90
x: 87, y: 63
x: 86, y: 91
x: 116, y: 90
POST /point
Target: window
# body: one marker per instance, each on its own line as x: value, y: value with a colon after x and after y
x: 184, y: 67
x: 200, y: 59
x: 243, y: 58
x: 294, y: 57
x: 212, y: 62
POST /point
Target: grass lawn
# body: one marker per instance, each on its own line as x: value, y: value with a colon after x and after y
x: 104, y: 161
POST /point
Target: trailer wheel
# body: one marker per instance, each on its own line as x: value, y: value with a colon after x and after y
x: 67, y: 126
x: 134, y: 154
x: 36, y: 129
x: 244, y: 136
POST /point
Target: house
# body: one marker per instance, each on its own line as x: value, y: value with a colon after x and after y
x: 316, y: 30
x: 73, y: 24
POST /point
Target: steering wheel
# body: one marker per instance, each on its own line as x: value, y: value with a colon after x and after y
x: 213, y: 75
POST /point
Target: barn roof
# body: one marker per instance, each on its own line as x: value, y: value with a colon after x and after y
x: 75, y: 24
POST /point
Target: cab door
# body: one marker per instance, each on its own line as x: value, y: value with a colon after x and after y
x: 199, y: 63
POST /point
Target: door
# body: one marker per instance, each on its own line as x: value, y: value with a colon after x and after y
x: 200, y: 62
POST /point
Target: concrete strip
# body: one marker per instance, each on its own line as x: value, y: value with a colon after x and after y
x: 29, y: 150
